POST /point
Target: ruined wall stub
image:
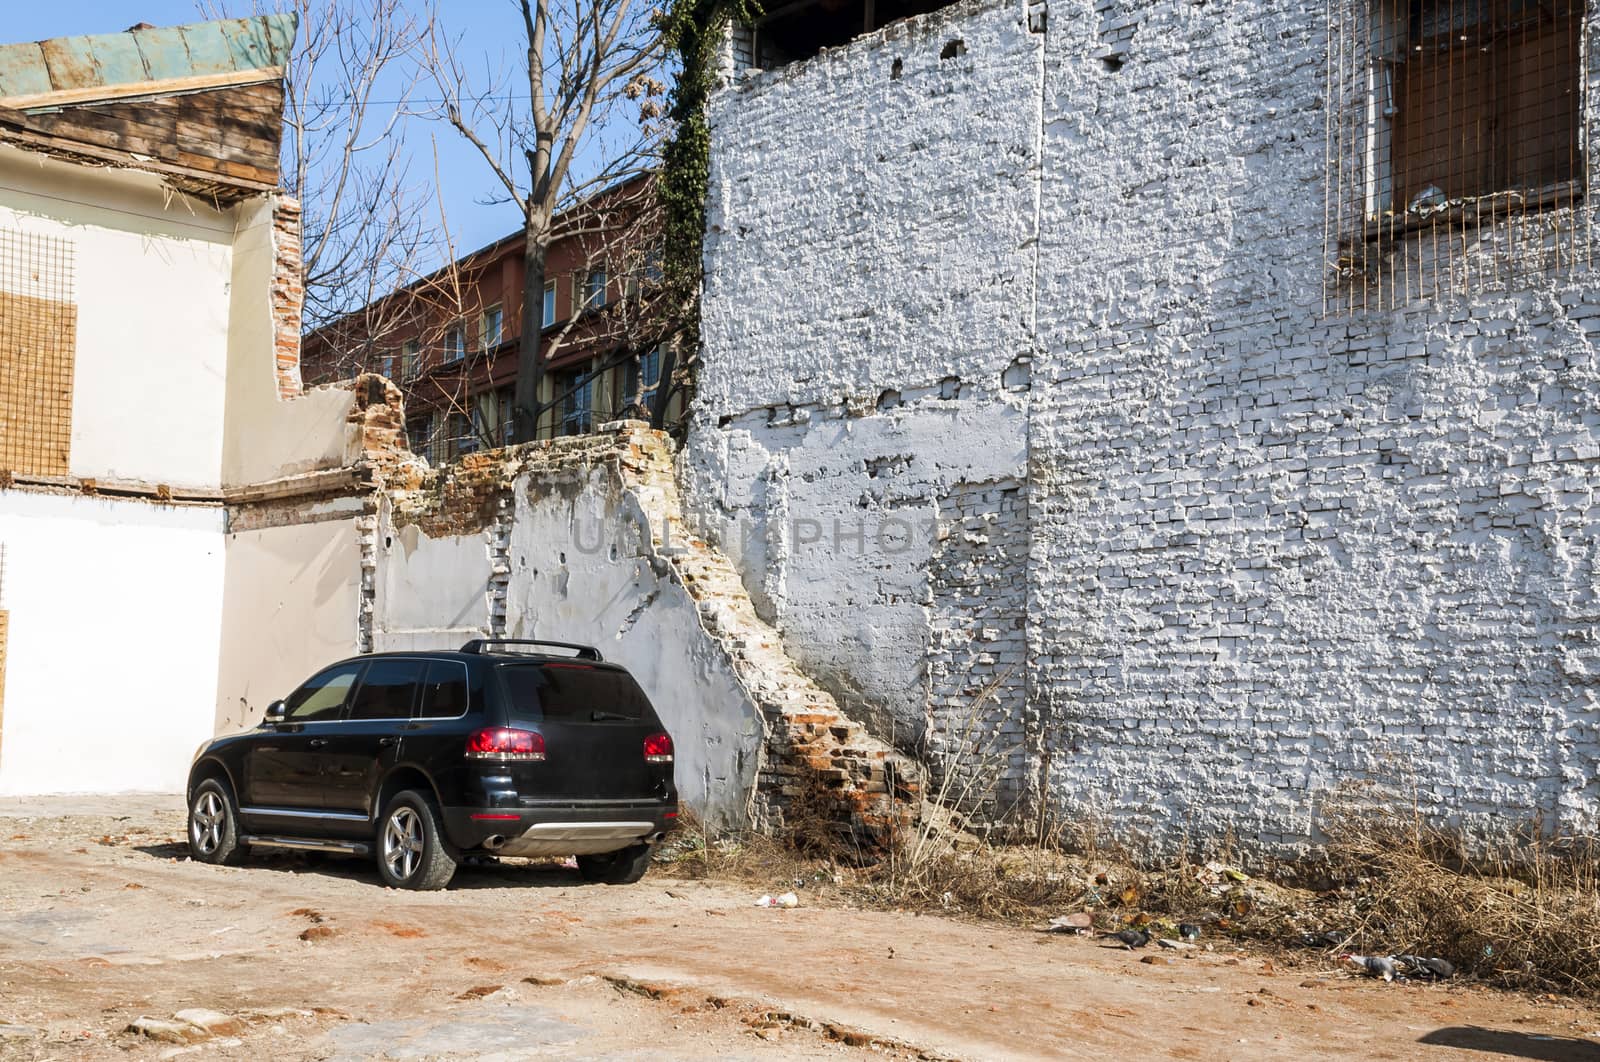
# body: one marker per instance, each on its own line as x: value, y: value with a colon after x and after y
x: 582, y: 539
x: 1271, y: 550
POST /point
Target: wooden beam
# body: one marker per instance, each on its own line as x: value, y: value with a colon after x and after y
x: 122, y: 159
x: 135, y: 90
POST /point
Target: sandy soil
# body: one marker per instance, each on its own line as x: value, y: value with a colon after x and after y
x: 103, y: 921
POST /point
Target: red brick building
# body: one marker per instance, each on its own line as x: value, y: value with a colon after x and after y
x: 450, y: 339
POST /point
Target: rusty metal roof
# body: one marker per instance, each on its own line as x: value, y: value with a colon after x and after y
x: 141, y: 60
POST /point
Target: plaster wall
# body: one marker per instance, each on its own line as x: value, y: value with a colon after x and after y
x: 432, y: 593
x: 292, y: 599
x: 1271, y: 550
x: 151, y: 282
x: 111, y: 669
x: 270, y: 437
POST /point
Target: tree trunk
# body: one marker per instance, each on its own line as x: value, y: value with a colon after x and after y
x: 530, y: 363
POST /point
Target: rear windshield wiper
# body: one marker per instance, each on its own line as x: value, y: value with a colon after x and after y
x: 601, y: 717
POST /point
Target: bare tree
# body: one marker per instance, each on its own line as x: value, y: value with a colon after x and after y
x: 367, y: 228
x: 589, y: 63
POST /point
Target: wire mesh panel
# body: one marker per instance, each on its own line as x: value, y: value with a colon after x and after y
x: 38, y: 340
x: 1456, y: 146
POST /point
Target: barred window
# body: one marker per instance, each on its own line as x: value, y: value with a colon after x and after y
x: 1481, y: 97
x: 1454, y: 124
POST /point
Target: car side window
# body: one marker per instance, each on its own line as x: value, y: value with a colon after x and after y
x: 388, y: 690
x: 444, y: 691
x: 323, y: 697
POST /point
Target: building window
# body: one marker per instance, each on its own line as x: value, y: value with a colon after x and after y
x: 549, y: 304
x: 408, y: 359
x: 639, y: 386
x: 577, y: 401
x: 1450, y: 116
x: 1475, y: 98
x: 463, y: 434
x: 594, y: 289
x: 455, y: 343
x: 505, y: 397
x: 798, y: 31
x: 492, y: 327
x: 649, y: 369
x: 426, y: 440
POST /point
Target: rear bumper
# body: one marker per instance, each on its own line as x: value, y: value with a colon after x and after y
x: 559, y: 829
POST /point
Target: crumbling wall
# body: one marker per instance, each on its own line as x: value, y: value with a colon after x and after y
x: 581, y: 540
x: 1271, y: 549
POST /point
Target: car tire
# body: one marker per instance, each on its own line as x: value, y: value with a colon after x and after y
x: 616, y: 868
x: 411, y: 849
x: 214, y: 825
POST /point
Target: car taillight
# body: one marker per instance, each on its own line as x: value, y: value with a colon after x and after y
x: 658, y: 749
x: 503, y: 743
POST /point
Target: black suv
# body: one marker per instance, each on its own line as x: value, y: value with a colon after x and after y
x: 502, y: 748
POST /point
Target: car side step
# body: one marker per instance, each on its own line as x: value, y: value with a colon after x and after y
x: 307, y: 844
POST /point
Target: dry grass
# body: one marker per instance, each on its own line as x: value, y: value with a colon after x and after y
x: 1526, y: 916
x: 694, y: 851
x: 1386, y: 882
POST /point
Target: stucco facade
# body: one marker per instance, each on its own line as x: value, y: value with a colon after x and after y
x: 1056, y: 302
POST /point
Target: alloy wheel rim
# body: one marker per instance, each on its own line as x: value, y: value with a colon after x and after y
x: 402, y: 843
x: 205, y: 823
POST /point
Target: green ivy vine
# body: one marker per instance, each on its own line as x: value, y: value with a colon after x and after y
x: 694, y: 30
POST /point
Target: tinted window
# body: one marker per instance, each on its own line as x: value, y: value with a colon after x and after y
x: 387, y: 690
x: 444, y: 692
x: 323, y: 697
x: 572, y: 693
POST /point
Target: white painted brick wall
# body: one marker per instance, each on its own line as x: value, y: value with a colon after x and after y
x: 1270, y: 550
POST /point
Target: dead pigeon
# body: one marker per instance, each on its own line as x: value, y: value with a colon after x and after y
x: 1428, y: 968
x: 1189, y: 931
x: 1129, y: 938
x: 1376, y: 965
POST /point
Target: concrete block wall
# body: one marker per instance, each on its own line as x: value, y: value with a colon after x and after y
x: 1271, y: 550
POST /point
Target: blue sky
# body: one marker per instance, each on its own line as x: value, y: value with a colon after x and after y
x: 490, y: 28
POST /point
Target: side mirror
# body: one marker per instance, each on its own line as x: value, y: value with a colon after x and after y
x: 276, y: 712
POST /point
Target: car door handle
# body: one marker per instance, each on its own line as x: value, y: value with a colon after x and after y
x: 388, y: 742
x: 317, y: 743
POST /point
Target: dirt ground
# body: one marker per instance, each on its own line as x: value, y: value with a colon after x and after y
x: 103, y: 921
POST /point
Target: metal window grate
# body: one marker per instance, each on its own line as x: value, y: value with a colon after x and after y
x: 1455, y: 147
x: 38, y: 342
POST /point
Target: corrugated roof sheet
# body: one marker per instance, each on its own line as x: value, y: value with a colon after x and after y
x: 118, y: 60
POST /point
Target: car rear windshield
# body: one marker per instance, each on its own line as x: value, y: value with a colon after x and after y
x: 571, y: 693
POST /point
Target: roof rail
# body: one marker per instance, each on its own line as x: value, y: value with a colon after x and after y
x: 483, y: 645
